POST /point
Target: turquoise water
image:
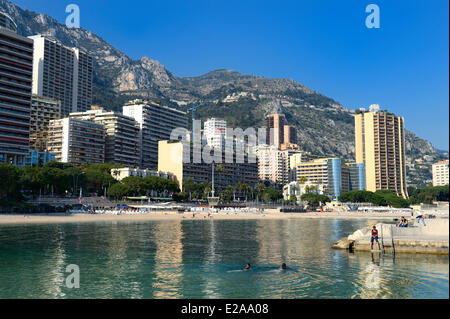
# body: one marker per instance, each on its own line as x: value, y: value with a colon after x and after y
x: 201, y: 259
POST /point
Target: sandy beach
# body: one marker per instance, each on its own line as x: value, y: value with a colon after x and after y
x: 162, y: 216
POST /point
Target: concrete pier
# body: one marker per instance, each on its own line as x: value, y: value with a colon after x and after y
x: 416, y: 239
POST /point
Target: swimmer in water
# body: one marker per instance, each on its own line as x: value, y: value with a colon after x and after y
x: 283, y: 266
x: 247, y: 267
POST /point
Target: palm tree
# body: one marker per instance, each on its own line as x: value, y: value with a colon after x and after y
x: 245, y: 189
x: 302, y: 180
x: 242, y: 188
x: 207, y: 190
x: 259, y: 190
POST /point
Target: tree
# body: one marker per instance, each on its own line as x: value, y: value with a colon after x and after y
x: 245, y: 189
x: 271, y: 195
x: 9, y: 186
x: 207, y: 190
x: 189, y: 186
x: 55, y: 180
x: 32, y: 180
x: 77, y: 177
x: 392, y: 199
x: 118, y: 191
x: 379, y: 198
x: 226, y: 196
x: 180, y: 197
x: 293, y: 199
x: 136, y: 186
x: 259, y: 190
x: 98, y: 176
x: 428, y: 195
x: 311, y: 189
x: 315, y: 200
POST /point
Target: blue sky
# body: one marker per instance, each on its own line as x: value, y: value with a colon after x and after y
x: 403, y: 66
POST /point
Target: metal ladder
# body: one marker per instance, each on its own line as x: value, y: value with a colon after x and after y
x: 382, y: 240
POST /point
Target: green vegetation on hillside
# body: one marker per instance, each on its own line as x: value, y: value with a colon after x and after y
x: 244, y: 114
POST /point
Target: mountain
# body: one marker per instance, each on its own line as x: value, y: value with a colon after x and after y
x: 325, y: 127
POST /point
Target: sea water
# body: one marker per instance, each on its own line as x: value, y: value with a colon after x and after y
x: 203, y: 259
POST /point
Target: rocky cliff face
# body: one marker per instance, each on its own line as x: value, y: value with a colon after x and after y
x: 324, y: 126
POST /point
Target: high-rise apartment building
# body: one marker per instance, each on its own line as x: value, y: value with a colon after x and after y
x: 176, y: 159
x: 270, y: 163
x: 277, y: 166
x: 275, y: 129
x: 77, y: 141
x: 326, y: 171
x: 290, y: 138
x: 122, y: 133
x: 440, y: 173
x: 294, y: 160
x: 290, y: 158
x: 16, y: 67
x: 215, y: 132
x: 62, y: 73
x: 280, y: 133
x: 380, y: 145
x: 156, y: 123
x: 7, y: 22
x: 43, y: 110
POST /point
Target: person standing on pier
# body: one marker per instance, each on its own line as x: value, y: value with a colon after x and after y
x: 421, y: 218
x: 374, y: 237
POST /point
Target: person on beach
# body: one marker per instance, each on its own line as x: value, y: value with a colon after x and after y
x: 247, y: 267
x: 374, y: 237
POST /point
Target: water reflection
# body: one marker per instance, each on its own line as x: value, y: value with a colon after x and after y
x: 168, y: 260
x: 199, y: 259
x: 57, y: 267
x: 211, y: 287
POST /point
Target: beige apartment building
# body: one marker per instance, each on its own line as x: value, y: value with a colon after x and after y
x: 43, y: 110
x: 329, y: 172
x: 77, y: 141
x: 270, y: 164
x: 175, y: 158
x: 277, y: 166
x: 440, y: 173
x: 380, y: 145
x: 121, y: 135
